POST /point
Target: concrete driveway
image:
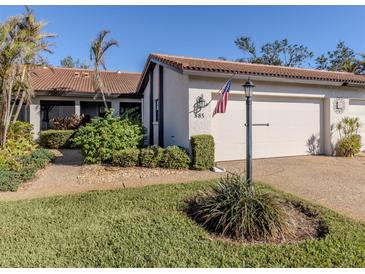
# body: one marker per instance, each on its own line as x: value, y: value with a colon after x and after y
x: 337, y: 183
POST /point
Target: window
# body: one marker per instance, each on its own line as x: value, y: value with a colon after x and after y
x: 129, y: 106
x: 156, y: 110
x: 93, y: 109
x: 54, y: 109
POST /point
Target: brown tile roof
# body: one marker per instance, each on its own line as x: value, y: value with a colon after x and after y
x: 80, y: 80
x: 198, y: 64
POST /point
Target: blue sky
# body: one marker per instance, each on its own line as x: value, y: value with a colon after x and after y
x: 199, y: 31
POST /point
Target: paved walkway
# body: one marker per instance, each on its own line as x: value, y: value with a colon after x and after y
x: 67, y: 175
x: 337, y: 183
x: 57, y: 178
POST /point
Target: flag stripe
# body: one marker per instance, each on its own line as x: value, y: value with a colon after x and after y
x: 223, y: 98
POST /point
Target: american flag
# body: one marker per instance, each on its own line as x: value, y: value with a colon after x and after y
x: 223, y: 98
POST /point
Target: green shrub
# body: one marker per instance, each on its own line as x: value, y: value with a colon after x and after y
x: 56, y: 139
x: 174, y: 157
x: 21, y: 130
x: 150, y: 156
x: 10, y: 179
x: 349, y: 143
x: 348, y: 146
x: 7, y: 161
x: 126, y: 157
x: 202, y: 147
x: 229, y: 210
x: 20, y: 140
x: 100, y: 138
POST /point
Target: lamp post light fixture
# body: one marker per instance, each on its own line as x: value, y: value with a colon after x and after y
x: 248, y: 87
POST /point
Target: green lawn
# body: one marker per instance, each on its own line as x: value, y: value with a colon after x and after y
x: 147, y: 227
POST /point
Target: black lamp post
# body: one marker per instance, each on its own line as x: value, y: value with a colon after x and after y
x: 248, y: 87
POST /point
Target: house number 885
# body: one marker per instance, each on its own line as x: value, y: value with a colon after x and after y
x: 199, y: 115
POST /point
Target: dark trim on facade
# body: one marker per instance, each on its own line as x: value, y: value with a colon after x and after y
x: 160, y: 108
x: 151, y: 108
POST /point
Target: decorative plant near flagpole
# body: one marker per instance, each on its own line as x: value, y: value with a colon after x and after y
x: 235, y: 208
x: 21, y: 44
x: 97, y: 53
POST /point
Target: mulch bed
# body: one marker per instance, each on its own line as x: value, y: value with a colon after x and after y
x: 91, y: 174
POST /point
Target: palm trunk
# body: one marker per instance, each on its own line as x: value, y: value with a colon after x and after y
x: 7, y: 111
x: 21, y: 101
x: 104, y: 100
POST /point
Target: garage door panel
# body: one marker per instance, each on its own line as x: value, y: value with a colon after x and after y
x: 293, y: 122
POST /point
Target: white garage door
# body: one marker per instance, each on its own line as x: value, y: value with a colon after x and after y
x: 357, y: 109
x: 294, y: 127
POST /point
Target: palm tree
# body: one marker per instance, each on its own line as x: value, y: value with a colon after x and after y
x: 21, y: 44
x: 97, y: 53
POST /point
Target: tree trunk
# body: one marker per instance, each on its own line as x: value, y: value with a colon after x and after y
x: 20, y: 104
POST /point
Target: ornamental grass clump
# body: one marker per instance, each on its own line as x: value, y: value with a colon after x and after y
x: 230, y: 209
x: 349, y: 143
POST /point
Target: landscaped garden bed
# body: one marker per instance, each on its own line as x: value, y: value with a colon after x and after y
x: 21, y: 158
x: 149, y: 227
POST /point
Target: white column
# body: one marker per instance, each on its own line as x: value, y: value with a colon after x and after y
x: 77, y: 107
x: 116, y: 106
x: 334, y: 118
x: 35, y: 117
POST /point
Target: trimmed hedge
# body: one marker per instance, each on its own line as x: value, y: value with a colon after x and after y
x: 56, y: 138
x: 175, y: 157
x: 202, y: 151
x: 126, y: 157
x: 10, y: 179
x: 150, y: 156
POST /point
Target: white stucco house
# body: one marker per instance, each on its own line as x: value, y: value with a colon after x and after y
x: 301, y: 106
x: 177, y: 96
x: 61, y: 92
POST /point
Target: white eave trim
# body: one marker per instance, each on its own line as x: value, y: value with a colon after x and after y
x: 278, y: 94
x: 266, y: 78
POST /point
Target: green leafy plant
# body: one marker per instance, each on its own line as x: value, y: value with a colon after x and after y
x: 228, y: 209
x: 21, y: 130
x: 7, y: 161
x: 349, y: 143
x: 126, y: 157
x: 56, y: 139
x: 150, y: 156
x: 175, y: 157
x: 100, y: 138
x: 348, y: 146
x: 202, y: 151
x: 20, y: 140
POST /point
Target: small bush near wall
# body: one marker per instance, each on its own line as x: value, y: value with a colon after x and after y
x: 349, y: 146
x: 150, y: 156
x: 202, y: 151
x: 349, y: 143
x: 175, y: 157
x: 126, y: 157
x: 56, y: 139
